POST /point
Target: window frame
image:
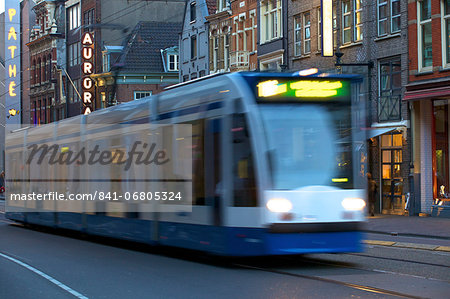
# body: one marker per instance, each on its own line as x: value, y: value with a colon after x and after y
x: 226, y: 48
x: 215, y: 46
x: 271, y: 15
x: 445, y: 36
x: 385, y: 19
x: 355, y: 20
x: 420, y: 45
x: 175, y: 62
x: 396, y: 16
x: 306, y: 27
x: 346, y: 14
x: 319, y: 30
x: 142, y: 93
x: 74, y: 16
x: 193, y: 46
x: 298, y: 29
x: 193, y: 8
x: 393, y: 91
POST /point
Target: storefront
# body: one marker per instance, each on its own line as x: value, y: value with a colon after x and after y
x: 431, y: 126
x: 389, y: 167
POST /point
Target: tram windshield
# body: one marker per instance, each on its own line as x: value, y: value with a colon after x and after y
x: 309, y: 144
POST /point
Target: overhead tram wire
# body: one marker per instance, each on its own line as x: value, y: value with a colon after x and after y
x: 113, y: 14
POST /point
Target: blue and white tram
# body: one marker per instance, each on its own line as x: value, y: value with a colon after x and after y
x: 275, y: 163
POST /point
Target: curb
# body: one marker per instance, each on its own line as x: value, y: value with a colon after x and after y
x: 408, y: 245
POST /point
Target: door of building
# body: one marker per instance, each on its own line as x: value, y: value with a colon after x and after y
x: 392, y: 199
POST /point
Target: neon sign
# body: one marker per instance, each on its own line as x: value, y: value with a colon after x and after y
x: 87, y: 54
x: 12, y: 60
x: 314, y: 89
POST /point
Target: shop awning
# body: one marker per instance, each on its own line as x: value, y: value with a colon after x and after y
x: 427, y: 93
x: 374, y: 132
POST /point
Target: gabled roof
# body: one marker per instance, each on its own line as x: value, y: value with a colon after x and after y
x: 142, y: 53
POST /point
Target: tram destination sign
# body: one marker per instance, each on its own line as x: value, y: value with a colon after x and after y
x: 294, y: 90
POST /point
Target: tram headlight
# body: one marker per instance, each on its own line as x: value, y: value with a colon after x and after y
x: 279, y: 205
x: 353, y: 204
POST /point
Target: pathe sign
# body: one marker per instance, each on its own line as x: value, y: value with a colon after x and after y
x: 87, y: 54
x: 12, y: 61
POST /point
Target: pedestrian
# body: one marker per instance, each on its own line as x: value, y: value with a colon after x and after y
x: 2, y: 182
x: 372, y: 189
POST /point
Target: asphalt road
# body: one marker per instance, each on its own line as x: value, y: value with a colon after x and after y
x: 36, y: 264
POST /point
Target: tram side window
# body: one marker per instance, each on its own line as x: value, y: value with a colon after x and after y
x: 198, y: 165
x: 243, y: 167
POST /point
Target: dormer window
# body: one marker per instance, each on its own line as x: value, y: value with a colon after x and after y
x: 109, y: 56
x: 223, y: 5
x: 172, y: 62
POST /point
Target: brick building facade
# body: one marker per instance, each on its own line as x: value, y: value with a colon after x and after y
x: 428, y: 93
x: 220, y: 26
x: 243, y: 55
x: 47, y: 52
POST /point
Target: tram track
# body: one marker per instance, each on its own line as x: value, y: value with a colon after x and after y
x: 355, y: 286
x: 397, y: 259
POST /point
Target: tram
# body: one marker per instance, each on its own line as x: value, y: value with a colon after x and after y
x: 275, y: 166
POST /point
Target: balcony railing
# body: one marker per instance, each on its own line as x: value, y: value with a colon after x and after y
x: 239, y: 59
x: 389, y: 108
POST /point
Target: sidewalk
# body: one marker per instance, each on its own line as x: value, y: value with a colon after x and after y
x: 409, y: 226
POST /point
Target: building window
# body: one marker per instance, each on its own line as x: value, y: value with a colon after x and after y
x: 74, y: 54
x: 89, y: 17
x: 185, y: 78
x: 226, y: 51
x: 306, y: 32
x: 202, y: 73
x: 105, y: 62
x: 74, y: 16
x: 395, y: 16
x: 424, y: 35
x: 193, y: 46
x: 215, y: 42
x: 38, y: 72
x: 141, y: 94
x: 352, y: 21
x: 193, y: 11
x: 271, y: 20
x: 445, y: 32
x: 358, y: 20
x: 382, y: 17
x: 223, y: 5
x: 297, y: 35
x: 388, y: 12
x: 173, y: 62
x: 319, y: 29
x: 390, y: 84
x: 49, y: 67
x: 346, y: 21
x: 254, y: 30
x: 334, y: 26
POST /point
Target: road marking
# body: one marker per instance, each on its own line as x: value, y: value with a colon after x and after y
x: 48, y: 277
x: 443, y: 248
x: 376, y: 242
x: 415, y: 245
x: 408, y: 245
